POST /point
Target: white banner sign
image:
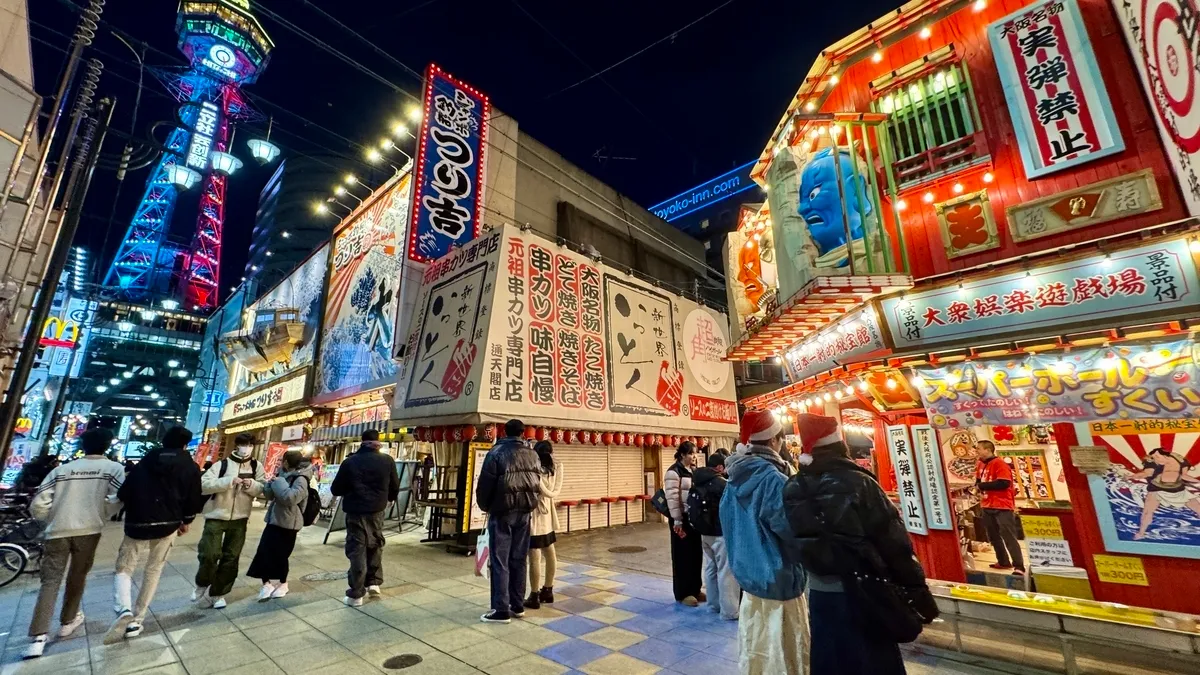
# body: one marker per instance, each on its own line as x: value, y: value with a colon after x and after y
x: 274, y: 396
x: 933, y: 484
x: 908, y: 482
x: 1049, y: 552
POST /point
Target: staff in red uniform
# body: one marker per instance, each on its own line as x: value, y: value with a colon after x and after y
x: 994, y: 478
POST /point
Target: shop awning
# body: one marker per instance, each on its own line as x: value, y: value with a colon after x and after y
x: 821, y: 301
x: 348, y: 431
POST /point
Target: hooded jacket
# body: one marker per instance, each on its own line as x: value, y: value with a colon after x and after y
x: 228, y: 502
x: 842, y: 519
x: 288, y: 494
x: 510, y: 479
x: 161, y: 493
x: 760, y: 545
x: 367, y: 480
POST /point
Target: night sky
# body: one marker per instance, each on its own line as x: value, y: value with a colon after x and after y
x: 683, y: 111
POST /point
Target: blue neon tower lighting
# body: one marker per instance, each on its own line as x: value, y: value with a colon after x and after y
x: 227, y: 48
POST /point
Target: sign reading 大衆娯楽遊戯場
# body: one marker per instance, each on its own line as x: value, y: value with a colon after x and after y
x: 1124, y: 284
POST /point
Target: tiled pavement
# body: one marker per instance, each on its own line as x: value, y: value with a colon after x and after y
x: 605, y: 622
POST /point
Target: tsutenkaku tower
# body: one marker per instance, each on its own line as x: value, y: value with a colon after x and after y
x: 227, y: 48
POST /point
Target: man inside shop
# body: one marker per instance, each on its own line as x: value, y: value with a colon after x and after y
x: 994, y: 479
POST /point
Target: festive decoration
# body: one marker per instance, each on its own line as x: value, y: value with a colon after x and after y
x: 607, y: 437
x: 542, y: 433
x: 439, y: 434
x: 530, y: 433
x: 468, y: 433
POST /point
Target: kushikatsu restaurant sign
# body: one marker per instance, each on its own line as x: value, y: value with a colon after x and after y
x: 1059, y: 106
x: 1120, y: 383
x: 1152, y: 279
x: 446, y: 208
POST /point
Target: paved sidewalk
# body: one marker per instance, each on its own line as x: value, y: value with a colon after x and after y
x: 606, y: 621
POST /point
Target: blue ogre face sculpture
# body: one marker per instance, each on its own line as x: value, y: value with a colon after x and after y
x: 820, y: 206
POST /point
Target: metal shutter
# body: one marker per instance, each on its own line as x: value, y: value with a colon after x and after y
x: 625, y: 478
x: 585, y: 476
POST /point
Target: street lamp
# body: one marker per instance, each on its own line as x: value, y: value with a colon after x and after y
x: 387, y: 144
x: 341, y: 191
x: 183, y: 177
x: 263, y: 152
x: 414, y: 113
x: 224, y: 163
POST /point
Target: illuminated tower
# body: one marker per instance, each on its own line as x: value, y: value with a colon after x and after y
x: 227, y: 48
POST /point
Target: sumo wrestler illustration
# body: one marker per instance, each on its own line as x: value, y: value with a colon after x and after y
x: 821, y: 205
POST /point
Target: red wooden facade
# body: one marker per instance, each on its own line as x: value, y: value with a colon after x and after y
x: 965, y: 29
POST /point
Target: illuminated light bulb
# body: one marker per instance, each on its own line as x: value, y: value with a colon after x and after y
x: 750, y: 244
x: 988, y: 177
x: 891, y: 383
x: 827, y: 397
x: 979, y: 5
x: 101, y: 388
x: 757, y: 236
x: 961, y: 290
x: 414, y: 113
x: 147, y: 388
x: 849, y: 391
x: 350, y: 178
x: 319, y: 207
x: 813, y: 133
x: 1194, y: 245
x: 162, y: 403
x: 917, y: 381
x: 838, y: 394
x: 1106, y: 262
x: 953, y: 377
x: 901, y: 205
x: 833, y: 79
x: 339, y: 190
x: 958, y: 188
x: 810, y: 106
x: 182, y: 373
x: 173, y: 363
x: 373, y: 155
x: 927, y: 197
x: 877, y: 56
x: 925, y: 33
x: 191, y: 383
x: 399, y: 128
x: 1108, y: 363
x: 903, y: 301
x: 154, y: 394
x: 124, y: 326
x: 862, y: 386
x: 114, y: 381
x: 127, y: 374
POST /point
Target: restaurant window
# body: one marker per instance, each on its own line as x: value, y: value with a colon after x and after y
x: 932, y: 123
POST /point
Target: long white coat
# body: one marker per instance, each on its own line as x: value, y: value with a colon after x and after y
x: 544, y: 519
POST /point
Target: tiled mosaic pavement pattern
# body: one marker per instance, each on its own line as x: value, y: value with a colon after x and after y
x: 605, y: 621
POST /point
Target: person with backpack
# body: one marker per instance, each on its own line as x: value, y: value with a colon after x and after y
x: 773, y: 617
x: 231, y: 486
x: 291, y: 500
x: 367, y: 481
x: 72, y: 503
x: 867, y: 592
x: 687, y: 552
x: 543, y: 524
x: 162, y: 497
x: 703, y: 511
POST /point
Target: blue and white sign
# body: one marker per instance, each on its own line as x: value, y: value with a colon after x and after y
x: 933, y: 483
x: 450, y: 167
x: 207, y: 121
x: 214, y: 401
x: 908, y: 481
x: 705, y: 194
x: 1152, y: 279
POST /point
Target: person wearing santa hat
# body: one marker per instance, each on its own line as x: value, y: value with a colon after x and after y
x: 773, y: 635
x: 847, y: 527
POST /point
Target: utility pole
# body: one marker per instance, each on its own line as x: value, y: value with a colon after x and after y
x: 77, y: 187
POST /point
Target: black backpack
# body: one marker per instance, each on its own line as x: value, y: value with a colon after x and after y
x: 312, y: 506
x: 704, y: 507
x: 225, y: 466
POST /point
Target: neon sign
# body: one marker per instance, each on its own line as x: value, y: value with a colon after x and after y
x: 54, y: 333
x: 202, y: 136
x: 709, y: 192
x: 221, y: 61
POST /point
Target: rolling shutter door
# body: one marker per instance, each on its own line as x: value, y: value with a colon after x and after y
x: 585, y: 476
x: 625, y: 478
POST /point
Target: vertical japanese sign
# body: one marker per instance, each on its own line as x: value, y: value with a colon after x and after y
x: 643, y: 372
x: 450, y: 167
x: 1059, y: 106
x: 207, y: 121
x: 1163, y: 36
x: 933, y: 484
x: 912, y: 509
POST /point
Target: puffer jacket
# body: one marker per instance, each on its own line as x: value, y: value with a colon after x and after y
x: 227, y: 502
x: 510, y: 478
x: 161, y: 493
x: 367, y: 480
x: 842, y: 519
x: 288, y: 498
x: 760, y: 545
x: 677, y: 483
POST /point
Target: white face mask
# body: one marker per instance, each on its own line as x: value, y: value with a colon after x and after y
x: 241, y: 453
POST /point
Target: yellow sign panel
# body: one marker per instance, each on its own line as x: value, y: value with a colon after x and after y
x: 1119, y: 569
x: 1042, y: 527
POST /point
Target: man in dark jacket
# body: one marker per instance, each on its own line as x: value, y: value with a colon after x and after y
x: 366, y: 482
x: 845, y: 523
x: 162, y: 496
x: 508, y: 493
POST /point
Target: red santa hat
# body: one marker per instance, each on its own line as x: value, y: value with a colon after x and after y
x: 759, y: 425
x: 817, y: 430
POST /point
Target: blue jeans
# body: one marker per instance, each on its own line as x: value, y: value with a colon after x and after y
x: 841, y: 645
x: 509, y: 542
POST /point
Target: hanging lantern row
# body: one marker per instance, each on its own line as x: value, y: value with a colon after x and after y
x: 490, y: 432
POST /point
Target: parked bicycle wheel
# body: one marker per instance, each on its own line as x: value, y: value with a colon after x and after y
x: 12, y: 563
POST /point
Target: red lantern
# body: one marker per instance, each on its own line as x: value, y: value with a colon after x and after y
x: 596, y: 440
x: 607, y: 438
x: 530, y: 433
x: 638, y: 439
x: 468, y: 432
x: 541, y: 433
x: 556, y: 435
x: 675, y: 441
x: 585, y: 437
x: 573, y: 437
x: 489, y: 432
x: 456, y: 434
x: 439, y: 434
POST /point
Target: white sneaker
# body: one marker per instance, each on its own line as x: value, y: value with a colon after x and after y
x: 116, y: 632
x: 219, y: 603
x: 205, y: 602
x: 280, y: 590
x: 374, y: 591
x: 133, y: 630
x: 199, y: 592
x: 352, y: 602
x: 36, y: 646
x: 264, y: 593
x: 69, y: 628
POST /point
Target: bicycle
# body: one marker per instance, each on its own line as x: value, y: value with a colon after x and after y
x: 20, y: 528
x: 13, y: 560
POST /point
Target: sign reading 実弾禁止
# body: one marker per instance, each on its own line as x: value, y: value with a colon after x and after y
x: 1059, y: 106
x: 450, y: 167
x: 912, y: 509
x: 1125, y: 284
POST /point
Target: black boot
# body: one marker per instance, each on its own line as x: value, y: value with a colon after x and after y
x: 546, y: 595
x: 533, y: 602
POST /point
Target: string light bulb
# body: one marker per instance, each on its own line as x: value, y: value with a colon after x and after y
x: 901, y: 205
x: 877, y: 56
x: 833, y: 79
x: 891, y: 383
x: 958, y: 188
x: 917, y: 381
x: 827, y: 396
x: 979, y: 5
x: 927, y: 197
x: 862, y: 386
x: 988, y: 177
x: 925, y: 33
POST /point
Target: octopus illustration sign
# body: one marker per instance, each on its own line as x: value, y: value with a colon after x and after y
x: 1163, y: 36
x: 1148, y: 501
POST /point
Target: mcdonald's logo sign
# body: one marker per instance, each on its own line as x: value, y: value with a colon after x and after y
x: 24, y: 425
x: 58, y: 332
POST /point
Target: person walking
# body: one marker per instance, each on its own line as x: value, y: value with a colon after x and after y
x: 704, y: 515
x: 846, y: 528
x: 508, y: 491
x: 994, y: 478
x: 128, y: 466
x: 687, y: 552
x: 231, y: 486
x: 287, y: 494
x: 366, y: 482
x: 543, y: 525
x: 773, y: 636
x: 72, y: 501
x: 162, y: 497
